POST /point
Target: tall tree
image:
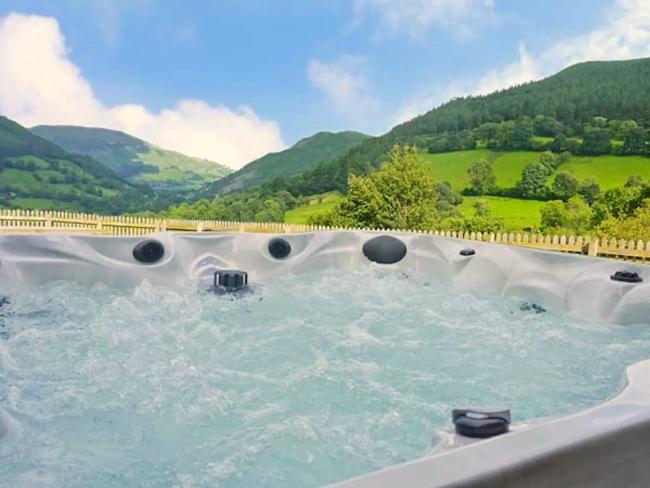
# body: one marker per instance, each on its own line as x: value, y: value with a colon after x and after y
x: 565, y: 185
x: 635, y: 141
x: 559, y: 144
x: 573, y: 216
x: 590, y: 190
x: 596, y: 141
x: 400, y: 195
x: 481, y: 177
x: 533, y: 181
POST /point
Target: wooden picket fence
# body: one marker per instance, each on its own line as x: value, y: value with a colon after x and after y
x: 30, y: 221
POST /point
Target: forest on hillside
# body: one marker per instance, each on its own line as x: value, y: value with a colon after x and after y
x: 577, y: 102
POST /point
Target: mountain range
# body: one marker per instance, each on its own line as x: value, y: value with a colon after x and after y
x: 133, y: 159
x: 104, y: 171
x: 579, y: 109
x: 35, y: 173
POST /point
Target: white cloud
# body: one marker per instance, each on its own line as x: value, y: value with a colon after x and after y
x: 624, y: 34
x: 40, y: 85
x: 344, y: 83
x: 524, y: 69
x: 416, y: 16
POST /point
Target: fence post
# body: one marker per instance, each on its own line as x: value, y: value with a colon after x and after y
x: 592, y: 250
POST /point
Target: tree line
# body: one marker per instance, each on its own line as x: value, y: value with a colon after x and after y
x: 545, y: 133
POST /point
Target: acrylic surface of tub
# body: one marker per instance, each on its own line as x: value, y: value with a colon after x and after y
x: 603, y: 446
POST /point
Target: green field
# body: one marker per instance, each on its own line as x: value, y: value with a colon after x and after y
x: 609, y: 170
x: 317, y: 205
x: 44, y: 204
x: 517, y: 214
x: 452, y: 167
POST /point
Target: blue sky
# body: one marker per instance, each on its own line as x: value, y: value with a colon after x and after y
x: 296, y: 66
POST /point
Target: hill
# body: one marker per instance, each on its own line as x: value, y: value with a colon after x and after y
x: 35, y: 173
x: 134, y: 159
x: 608, y: 170
x: 301, y: 157
x: 593, y: 99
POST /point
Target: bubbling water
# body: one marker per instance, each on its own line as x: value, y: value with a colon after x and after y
x: 309, y: 380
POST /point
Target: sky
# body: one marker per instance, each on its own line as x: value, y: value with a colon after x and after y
x: 229, y: 80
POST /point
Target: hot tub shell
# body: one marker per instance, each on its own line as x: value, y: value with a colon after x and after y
x: 606, y: 446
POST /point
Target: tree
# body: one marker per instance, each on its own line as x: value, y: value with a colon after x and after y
x: 563, y: 157
x: 504, y: 137
x: 522, y: 134
x: 273, y: 211
x: 553, y: 215
x: 400, y: 195
x: 559, y: 144
x: 635, y: 180
x: 448, y: 199
x: 571, y: 217
x: 565, y: 185
x: 481, y: 221
x: 635, y: 227
x: 635, y: 141
x: 620, y: 203
x: 488, y: 133
x: 546, y: 126
x: 597, y: 141
x: 481, y: 177
x: 533, y: 181
x: 590, y: 190
x: 481, y: 208
x: 620, y: 127
x: 549, y: 160
x: 600, y: 122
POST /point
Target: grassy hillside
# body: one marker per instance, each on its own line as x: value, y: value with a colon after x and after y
x: 609, y: 171
x: 34, y: 173
x: 517, y: 215
x: 611, y: 89
x: 302, y: 156
x: 134, y: 159
x: 317, y: 204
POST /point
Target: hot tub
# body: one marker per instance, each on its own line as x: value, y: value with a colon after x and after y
x: 138, y: 361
